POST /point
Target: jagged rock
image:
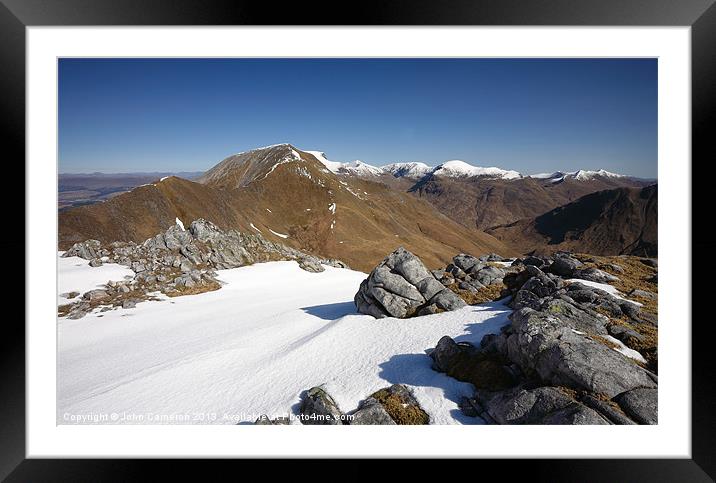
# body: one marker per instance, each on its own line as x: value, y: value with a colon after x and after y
x: 96, y: 295
x: 195, y: 252
x: 488, y: 275
x: 319, y: 408
x: 525, y: 298
x: 400, y: 286
x: 650, y: 262
x: 564, y: 266
x: 129, y: 304
x: 594, y: 275
x: 641, y: 404
x: 514, y: 280
x: 78, y: 311
x: 465, y: 262
x: 540, y: 285
x: 95, y: 262
x: 555, y: 350
x: 311, y: 264
x: 88, y: 250
x: 542, y: 405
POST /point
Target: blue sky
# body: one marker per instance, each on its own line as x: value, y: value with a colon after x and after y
x: 531, y: 115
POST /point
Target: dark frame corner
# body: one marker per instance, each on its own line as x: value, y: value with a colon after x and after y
x: 15, y: 15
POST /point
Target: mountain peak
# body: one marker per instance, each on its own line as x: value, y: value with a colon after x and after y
x: 414, y: 169
x: 459, y: 169
x: 243, y: 168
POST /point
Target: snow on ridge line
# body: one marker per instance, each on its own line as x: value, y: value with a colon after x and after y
x: 413, y: 169
x: 580, y: 175
x: 460, y: 168
x: 278, y: 234
x: 353, y: 167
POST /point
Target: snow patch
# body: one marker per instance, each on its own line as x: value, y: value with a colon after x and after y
x: 252, y: 226
x: 332, y: 208
x: 278, y: 234
x: 622, y: 349
x: 250, y: 348
x: 179, y: 223
x: 75, y: 275
x: 610, y: 289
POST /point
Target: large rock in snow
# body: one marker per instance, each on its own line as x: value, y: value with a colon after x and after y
x: 560, y: 354
x: 318, y: 407
x: 400, y: 286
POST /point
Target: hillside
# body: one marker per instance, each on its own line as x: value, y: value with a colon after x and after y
x: 288, y: 196
x: 609, y: 222
x: 483, y: 201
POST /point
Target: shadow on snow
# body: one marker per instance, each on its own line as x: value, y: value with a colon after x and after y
x: 331, y: 311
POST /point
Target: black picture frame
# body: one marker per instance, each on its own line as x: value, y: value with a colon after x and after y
x: 700, y: 15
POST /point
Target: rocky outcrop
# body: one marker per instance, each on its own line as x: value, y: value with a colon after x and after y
x: 400, y: 286
x: 394, y: 405
x: 179, y: 262
x: 563, y: 358
x: 319, y: 408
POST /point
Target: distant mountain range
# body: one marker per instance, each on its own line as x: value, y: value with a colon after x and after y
x: 288, y: 196
x: 357, y: 212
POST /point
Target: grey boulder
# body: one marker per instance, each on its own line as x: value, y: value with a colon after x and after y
x: 641, y: 404
x: 564, y: 266
x: 542, y: 405
x: 560, y: 354
x: 400, y: 286
x: 319, y: 408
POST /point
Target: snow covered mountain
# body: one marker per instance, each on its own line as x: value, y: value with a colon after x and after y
x: 347, y: 211
x: 356, y: 167
x: 461, y: 169
x: 448, y: 169
x: 579, y: 175
x: 408, y: 170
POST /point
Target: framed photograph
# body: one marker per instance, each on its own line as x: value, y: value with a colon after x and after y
x: 435, y: 228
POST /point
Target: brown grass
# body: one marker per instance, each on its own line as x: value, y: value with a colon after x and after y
x: 400, y: 410
x: 209, y: 286
x: 603, y: 341
x: 636, y: 275
x: 484, y: 294
x: 648, y: 346
x: 63, y: 310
